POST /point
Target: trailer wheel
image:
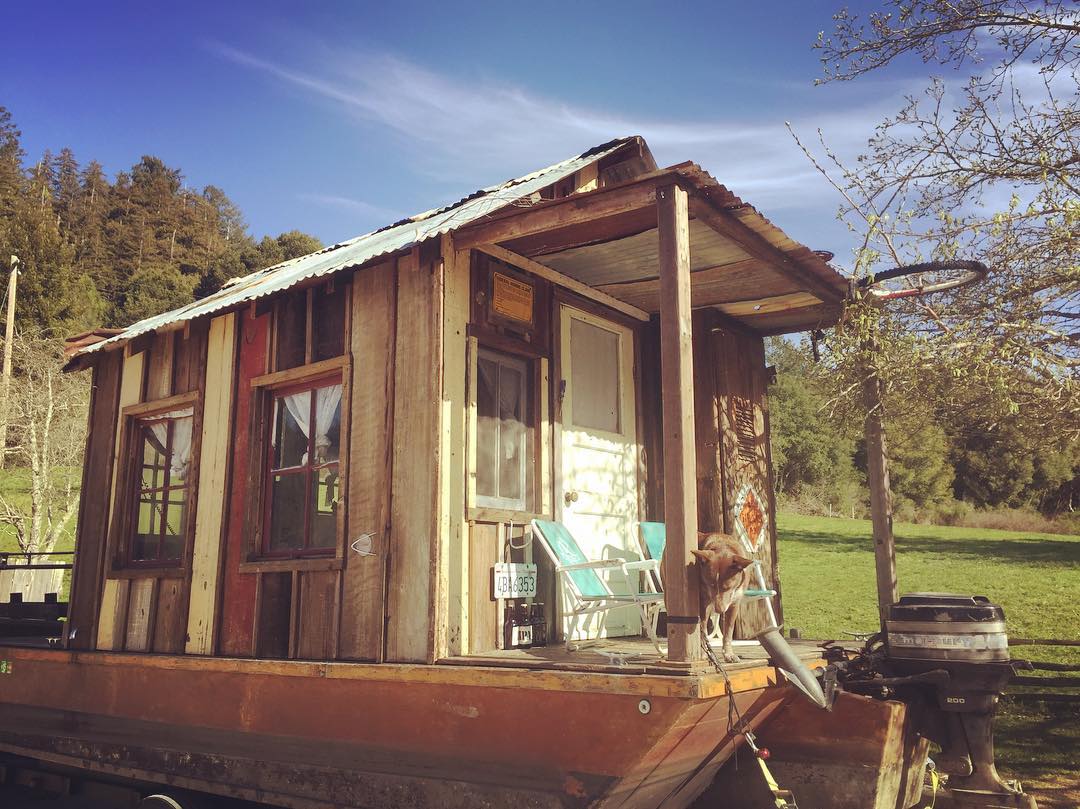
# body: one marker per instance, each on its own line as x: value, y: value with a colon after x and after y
x: 176, y: 800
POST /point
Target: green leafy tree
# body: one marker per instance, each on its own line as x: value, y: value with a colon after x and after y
x: 157, y: 288
x: 812, y: 452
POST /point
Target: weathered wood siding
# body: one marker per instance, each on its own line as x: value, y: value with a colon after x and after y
x: 236, y: 625
x: 147, y: 610
x: 88, y: 575
x: 114, y: 600
x: 363, y: 592
x: 415, y: 504
x: 729, y: 363
x: 212, y: 484
x: 740, y: 374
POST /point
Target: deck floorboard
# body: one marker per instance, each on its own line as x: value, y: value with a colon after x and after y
x: 617, y: 656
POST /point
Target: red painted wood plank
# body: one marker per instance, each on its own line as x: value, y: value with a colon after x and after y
x: 238, y: 596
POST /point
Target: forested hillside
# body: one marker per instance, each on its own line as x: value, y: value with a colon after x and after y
x: 96, y: 250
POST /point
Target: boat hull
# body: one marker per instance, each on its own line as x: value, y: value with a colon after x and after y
x: 311, y: 735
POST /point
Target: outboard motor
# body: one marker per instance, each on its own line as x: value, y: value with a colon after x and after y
x: 947, y: 656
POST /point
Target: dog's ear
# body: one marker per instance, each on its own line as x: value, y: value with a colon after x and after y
x: 740, y: 562
x: 704, y: 556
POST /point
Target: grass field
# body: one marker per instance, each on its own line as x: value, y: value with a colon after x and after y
x: 827, y: 574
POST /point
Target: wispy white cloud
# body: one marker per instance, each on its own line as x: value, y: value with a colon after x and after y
x: 362, y: 208
x: 468, y: 132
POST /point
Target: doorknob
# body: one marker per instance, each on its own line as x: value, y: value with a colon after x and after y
x: 570, y: 497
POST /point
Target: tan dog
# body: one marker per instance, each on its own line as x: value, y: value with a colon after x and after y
x: 724, y: 578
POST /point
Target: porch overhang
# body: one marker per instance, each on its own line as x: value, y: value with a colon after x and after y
x: 741, y: 264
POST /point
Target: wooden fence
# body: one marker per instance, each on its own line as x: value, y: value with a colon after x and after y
x: 32, y: 575
x: 1056, y: 682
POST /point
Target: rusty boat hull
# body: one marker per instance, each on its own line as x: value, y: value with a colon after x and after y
x: 303, y: 735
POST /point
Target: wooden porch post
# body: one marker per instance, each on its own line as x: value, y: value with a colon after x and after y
x: 680, y: 464
x: 877, y: 473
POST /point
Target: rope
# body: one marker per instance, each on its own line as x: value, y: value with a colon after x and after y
x: 782, y: 798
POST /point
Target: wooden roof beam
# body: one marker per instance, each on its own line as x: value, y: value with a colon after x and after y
x: 729, y: 226
x: 561, y: 213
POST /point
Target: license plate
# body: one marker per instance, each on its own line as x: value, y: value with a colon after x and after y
x: 514, y: 580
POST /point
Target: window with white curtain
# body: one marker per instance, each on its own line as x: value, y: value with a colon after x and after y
x: 504, y: 435
x: 303, y: 482
x: 161, y: 506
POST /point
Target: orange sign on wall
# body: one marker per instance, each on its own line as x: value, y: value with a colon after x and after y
x: 512, y: 298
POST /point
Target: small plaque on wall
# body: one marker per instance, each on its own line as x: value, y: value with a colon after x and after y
x: 511, y: 298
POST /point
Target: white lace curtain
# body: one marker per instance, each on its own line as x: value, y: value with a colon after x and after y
x: 507, y: 401
x: 181, y: 422
x: 326, y: 404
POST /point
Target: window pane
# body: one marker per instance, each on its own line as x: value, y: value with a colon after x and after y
x: 503, y: 432
x: 160, y: 519
x: 287, y: 511
x: 145, y: 515
x: 145, y: 547
x: 511, y: 433
x: 594, y: 377
x: 327, y: 423
x: 172, y: 547
x: 324, y: 509
x: 174, y: 517
x: 487, y: 427
x: 292, y: 415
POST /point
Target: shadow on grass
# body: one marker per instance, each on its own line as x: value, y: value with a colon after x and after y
x: 1040, y: 743
x: 1007, y: 550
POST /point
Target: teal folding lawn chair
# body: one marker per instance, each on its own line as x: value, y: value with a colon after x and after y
x: 589, y: 592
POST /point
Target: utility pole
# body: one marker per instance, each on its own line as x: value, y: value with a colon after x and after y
x: 9, y: 336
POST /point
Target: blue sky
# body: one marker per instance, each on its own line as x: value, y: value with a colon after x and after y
x: 337, y: 118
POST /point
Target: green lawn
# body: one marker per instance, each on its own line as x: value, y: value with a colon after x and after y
x: 827, y: 575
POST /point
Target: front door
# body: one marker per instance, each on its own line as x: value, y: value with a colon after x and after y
x: 597, y: 483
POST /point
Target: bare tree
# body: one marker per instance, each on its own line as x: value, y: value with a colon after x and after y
x: 47, y: 420
x: 981, y: 165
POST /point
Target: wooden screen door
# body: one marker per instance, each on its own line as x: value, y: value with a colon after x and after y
x: 597, y: 483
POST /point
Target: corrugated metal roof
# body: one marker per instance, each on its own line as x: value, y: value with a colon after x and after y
x: 354, y: 252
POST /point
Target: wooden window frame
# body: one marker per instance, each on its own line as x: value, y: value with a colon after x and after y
x: 266, y: 389
x: 123, y: 565
x: 310, y: 469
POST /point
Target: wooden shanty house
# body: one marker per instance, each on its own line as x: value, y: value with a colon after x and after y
x: 296, y: 491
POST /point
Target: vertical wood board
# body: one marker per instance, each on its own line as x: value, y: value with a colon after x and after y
x: 236, y: 624
x: 363, y: 592
x: 167, y: 635
x: 94, y: 503
x: 415, y: 502
x: 216, y: 448
x: 451, y: 614
x: 318, y: 610
x: 483, y: 617
x: 140, y: 618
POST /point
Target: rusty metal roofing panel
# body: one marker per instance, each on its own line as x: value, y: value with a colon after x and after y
x: 355, y: 252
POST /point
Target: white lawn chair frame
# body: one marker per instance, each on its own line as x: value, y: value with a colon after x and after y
x: 589, y: 591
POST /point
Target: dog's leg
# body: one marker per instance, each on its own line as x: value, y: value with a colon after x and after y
x: 729, y: 631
